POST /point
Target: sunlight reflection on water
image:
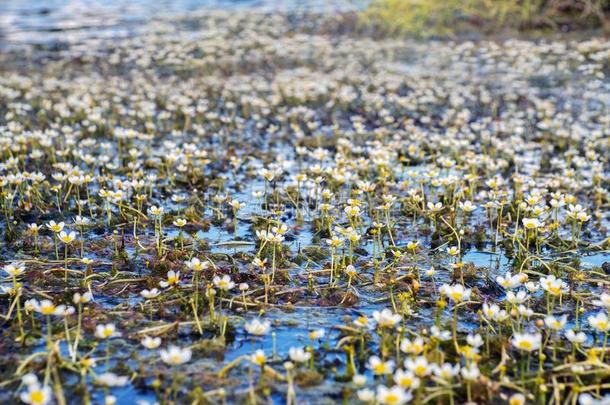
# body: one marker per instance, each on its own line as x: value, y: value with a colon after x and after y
x: 53, y: 21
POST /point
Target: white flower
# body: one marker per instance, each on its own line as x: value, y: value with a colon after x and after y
x: 14, y: 269
x: 79, y: 298
x: 531, y: 223
x: 439, y: 334
x: 350, y: 270
x: 173, y: 278
x: 36, y: 394
x: 516, y: 399
x: 81, y: 221
x: 587, y: 399
x: 298, y: 355
x: 553, y: 285
x: 419, y: 366
x: 197, y: 265
x: 412, y: 347
x: 526, y: 341
x: 156, y: 211
x: 150, y: 294
x: 603, y: 301
x: 457, y: 293
x: 55, y: 227
x: 474, y: 340
x: 525, y: 311
x: 489, y: 311
x: 467, y: 206
x: 352, y: 211
x: 180, y: 222
x: 236, y: 205
x: 258, y: 358
x: 380, y: 367
x: 29, y: 379
x: 334, y: 242
x: 406, y: 379
x: 392, y: 396
x: 453, y: 250
x: 576, y: 338
x: 555, y: 323
x: 599, y: 322
x: 175, y: 355
x: 386, y: 318
x: 257, y: 327
x: 223, y: 283
x: 47, y: 307
x: 151, y: 342
x: 471, y: 372
x: 516, y: 299
x: 106, y: 331
x: 435, y: 207
x: 359, y: 380
x: 68, y: 311
x: 509, y: 281
x: 447, y: 371
x: 282, y: 229
x: 366, y: 395
x: 67, y: 238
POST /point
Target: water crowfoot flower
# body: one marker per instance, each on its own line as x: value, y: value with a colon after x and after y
x: 380, y: 367
x: 36, y: 394
x: 151, y: 342
x: 392, y: 396
x: 257, y: 327
x: 527, y: 342
x: 174, y: 355
x: 299, y: 355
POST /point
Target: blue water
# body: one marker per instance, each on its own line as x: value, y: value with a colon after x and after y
x: 70, y: 21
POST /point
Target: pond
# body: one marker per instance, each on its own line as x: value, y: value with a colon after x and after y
x: 261, y: 202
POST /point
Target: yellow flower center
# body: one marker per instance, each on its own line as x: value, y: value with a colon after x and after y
x: 391, y: 398
x: 456, y: 295
x: 405, y: 381
x: 37, y: 397
x: 47, y: 310
x: 379, y: 368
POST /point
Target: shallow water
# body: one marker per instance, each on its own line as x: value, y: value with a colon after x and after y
x: 57, y: 22
x: 161, y: 64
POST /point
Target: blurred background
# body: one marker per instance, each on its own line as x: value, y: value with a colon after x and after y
x: 48, y: 21
x: 58, y: 21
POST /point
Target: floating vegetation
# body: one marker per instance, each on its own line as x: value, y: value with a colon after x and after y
x: 253, y: 208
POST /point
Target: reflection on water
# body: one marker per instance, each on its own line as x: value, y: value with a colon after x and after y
x: 71, y: 21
